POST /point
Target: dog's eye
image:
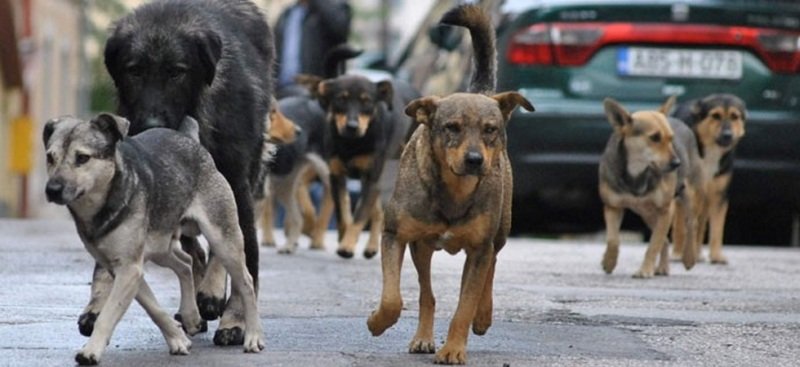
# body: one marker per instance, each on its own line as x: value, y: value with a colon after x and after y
x: 655, y: 138
x: 135, y: 70
x: 716, y: 116
x: 734, y: 116
x: 176, y: 72
x: 81, y: 158
x: 453, y: 128
x: 490, y: 130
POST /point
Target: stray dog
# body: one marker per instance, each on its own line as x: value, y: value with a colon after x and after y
x: 209, y: 59
x: 453, y: 192
x: 300, y: 162
x: 718, y: 123
x: 650, y: 166
x: 288, y: 170
x: 129, y: 198
x: 367, y: 128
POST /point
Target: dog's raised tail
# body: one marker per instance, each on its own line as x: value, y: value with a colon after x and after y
x: 190, y: 127
x: 335, y: 59
x: 480, y: 28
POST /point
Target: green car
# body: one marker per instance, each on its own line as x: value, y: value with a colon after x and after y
x: 566, y: 56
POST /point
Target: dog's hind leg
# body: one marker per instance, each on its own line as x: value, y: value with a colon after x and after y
x: 267, y: 218
x: 101, y: 286
x: 176, y: 339
x: 473, y: 282
x: 423, y: 342
x: 388, y: 311
x: 326, y: 208
x: 181, y: 263
x: 211, y: 290
x: 127, y: 278
x: 375, y: 229
x: 285, y: 191
x: 613, y: 219
x: 483, y: 317
x: 191, y: 246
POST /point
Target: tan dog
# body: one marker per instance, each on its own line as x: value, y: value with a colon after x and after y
x: 453, y: 192
x: 650, y: 166
x: 718, y: 123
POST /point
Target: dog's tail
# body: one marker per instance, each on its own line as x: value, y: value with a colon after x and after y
x: 480, y: 28
x: 190, y: 127
x: 336, y: 57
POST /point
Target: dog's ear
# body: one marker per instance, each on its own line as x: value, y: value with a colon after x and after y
x: 281, y: 129
x: 115, y: 125
x: 209, y: 51
x: 385, y: 93
x: 509, y: 101
x: 323, y: 93
x: 423, y: 109
x: 310, y: 82
x: 49, y: 128
x: 111, y: 54
x: 617, y: 115
x: 668, y: 104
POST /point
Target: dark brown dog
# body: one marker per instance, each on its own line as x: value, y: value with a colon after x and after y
x: 453, y: 192
x: 718, y: 124
x: 367, y: 128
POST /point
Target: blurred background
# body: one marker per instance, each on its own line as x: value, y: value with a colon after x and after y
x: 565, y: 55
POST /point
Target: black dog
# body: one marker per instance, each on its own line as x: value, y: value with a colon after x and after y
x: 212, y: 60
x: 367, y: 127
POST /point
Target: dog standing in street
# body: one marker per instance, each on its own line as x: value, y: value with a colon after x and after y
x: 453, y: 192
x: 211, y: 60
x: 718, y: 123
x: 130, y: 199
x: 650, y: 166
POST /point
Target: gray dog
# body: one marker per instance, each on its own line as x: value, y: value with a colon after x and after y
x: 131, y: 198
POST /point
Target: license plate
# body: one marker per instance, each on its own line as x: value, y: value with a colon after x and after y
x: 679, y: 63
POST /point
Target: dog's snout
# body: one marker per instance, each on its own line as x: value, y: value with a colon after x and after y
x: 54, y: 190
x: 674, y: 163
x: 725, y: 138
x: 473, y: 159
x: 351, y: 125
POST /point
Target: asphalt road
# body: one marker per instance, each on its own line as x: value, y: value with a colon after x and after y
x: 553, y: 306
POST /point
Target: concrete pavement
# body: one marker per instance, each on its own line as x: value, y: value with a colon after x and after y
x: 553, y: 306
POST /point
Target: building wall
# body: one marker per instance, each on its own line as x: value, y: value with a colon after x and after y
x: 52, y: 76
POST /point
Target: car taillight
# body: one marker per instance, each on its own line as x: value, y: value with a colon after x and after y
x: 573, y: 44
x: 781, y: 50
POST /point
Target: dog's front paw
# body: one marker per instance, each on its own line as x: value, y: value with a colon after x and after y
x: 368, y: 253
x: 380, y: 320
x: 451, y: 355
x: 718, y: 259
x: 85, y: 359
x: 422, y: 346
x: 317, y: 246
x: 344, y: 253
x: 609, y: 261
x: 197, y: 325
x: 210, y: 307
x: 253, y: 342
x: 481, y: 324
x: 662, y: 270
x: 287, y: 249
x: 688, y: 259
x: 86, y: 323
x: 229, y: 336
x: 644, y: 274
x: 179, y: 344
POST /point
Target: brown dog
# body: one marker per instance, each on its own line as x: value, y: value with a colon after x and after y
x: 453, y: 192
x: 718, y: 123
x: 650, y: 166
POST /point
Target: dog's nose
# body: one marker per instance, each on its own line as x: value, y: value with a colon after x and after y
x: 53, y: 190
x: 725, y: 138
x: 674, y: 163
x: 473, y: 159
